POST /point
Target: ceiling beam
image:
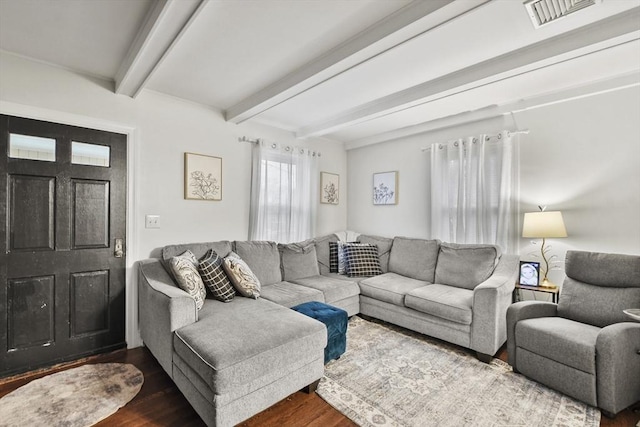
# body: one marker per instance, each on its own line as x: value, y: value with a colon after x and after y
x: 493, y: 111
x: 481, y: 73
x: 164, y: 24
x: 410, y: 21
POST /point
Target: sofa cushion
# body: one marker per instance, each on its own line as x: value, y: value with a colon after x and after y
x: 596, y: 305
x: 465, y: 266
x: 322, y: 251
x: 447, y: 302
x: 243, y: 279
x: 289, y: 294
x: 389, y: 287
x: 214, y: 277
x: 233, y: 344
x: 384, y: 248
x: 562, y: 340
x: 333, y: 257
x: 333, y: 289
x: 361, y: 260
x: 414, y: 258
x: 263, y: 258
x: 298, y: 260
x: 185, y: 270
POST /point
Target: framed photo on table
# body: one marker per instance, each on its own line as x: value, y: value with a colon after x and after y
x: 529, y: 273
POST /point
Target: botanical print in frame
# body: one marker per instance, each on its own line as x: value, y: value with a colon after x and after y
x: 385, y: 188
x: 329, y: 188
x: 202, y: 177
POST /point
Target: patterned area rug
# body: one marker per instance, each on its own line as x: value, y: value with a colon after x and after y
x: 78, y: 397
x: 393, y: 377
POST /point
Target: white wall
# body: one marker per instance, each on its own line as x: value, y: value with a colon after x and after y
x: 164, y: 129
x: 581, y: 157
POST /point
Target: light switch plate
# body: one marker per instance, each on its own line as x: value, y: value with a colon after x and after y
x: 152, y: 221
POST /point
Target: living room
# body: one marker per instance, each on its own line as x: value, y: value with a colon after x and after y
x: 575, y: 120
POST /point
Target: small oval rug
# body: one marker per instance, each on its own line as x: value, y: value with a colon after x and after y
x: 78, y: 397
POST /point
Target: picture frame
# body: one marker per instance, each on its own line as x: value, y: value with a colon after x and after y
x: 329, y: 188
x: 202, y: 177
x: 385, y: 188
x: 529, y: 273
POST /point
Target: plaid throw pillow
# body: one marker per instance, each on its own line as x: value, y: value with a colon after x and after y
x: 214, y: 277
x: 333, y: 257
x: 362, y: 260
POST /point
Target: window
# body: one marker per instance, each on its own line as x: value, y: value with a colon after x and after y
x: 282, y: 194
x: 32, y: 148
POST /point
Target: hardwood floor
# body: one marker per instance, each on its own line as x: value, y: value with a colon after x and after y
x: 160, y: 403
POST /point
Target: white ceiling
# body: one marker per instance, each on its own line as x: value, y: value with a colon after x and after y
x: 357, y: 71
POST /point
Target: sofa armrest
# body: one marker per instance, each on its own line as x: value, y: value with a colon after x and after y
x: 163, y: 308
x: 490, y: 301
x: 520, y: 311
x: 618, y: 366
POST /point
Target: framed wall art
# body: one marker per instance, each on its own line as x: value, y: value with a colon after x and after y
x: 385, y: 188
x: 202, y: 177
x: 329, y: 188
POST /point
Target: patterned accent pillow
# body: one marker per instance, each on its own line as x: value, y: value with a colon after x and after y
x: 333, y: 257
x: 185, y: 270
x: 337, y: 261
x: 214, y: 277
x: 362, y: 260
x: 243, y: 279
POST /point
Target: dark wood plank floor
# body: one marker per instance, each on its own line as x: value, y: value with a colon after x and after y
x: 160, y: 403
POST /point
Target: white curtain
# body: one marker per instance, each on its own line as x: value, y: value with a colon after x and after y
x: 474, y: 185
x: 284, y: 181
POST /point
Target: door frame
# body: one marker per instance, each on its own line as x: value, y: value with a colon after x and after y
x: 132, y: 331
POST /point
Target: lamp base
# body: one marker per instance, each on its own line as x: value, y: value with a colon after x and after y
x: 547, y: 284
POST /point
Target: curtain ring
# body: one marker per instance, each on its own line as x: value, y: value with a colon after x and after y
x: 440, y: 146
x: 302, y: 151
x: 455, y: 144
x: 486, y: 138
x: 288, y: 148
x: 273, y: 145
x: 475, y: 140
x: 499, y: 136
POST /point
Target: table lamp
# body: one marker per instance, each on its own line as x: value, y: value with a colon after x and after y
x: 542, y: 225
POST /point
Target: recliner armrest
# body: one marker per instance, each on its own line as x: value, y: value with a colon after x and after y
x: 618, y: 366
x: 163, y: 308
x: 521, y: 311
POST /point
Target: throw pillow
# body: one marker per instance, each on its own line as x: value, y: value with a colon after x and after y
x: 243, y: 279
x: 298, y: 260
x: 362, y: 260
x: 185, y: 270
x: 337, y: 261
x: 333, y: 257
x: 214, y: 277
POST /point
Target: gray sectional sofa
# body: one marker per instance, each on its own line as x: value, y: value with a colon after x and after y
x: 233, y: 360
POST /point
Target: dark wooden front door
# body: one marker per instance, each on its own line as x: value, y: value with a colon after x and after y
x: 62, y: 208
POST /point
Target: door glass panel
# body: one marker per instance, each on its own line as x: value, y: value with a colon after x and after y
x: 90, y: 154
x: 32, y: 147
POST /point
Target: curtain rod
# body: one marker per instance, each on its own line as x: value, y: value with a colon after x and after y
x: 515, y: 132
x: 259, y: 140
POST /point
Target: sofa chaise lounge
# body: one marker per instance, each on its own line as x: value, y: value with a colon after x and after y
x: 233, y: 360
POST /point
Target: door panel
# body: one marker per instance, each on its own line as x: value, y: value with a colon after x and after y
x: 90, y: 214
x: 62, y: 290
x: 89, y: 297
x: 31, y: 305
x: 32, y: 213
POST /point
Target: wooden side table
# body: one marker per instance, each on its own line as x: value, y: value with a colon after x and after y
x: 555, y: 292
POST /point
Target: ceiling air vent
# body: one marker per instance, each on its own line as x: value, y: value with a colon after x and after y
x: 543, y: 12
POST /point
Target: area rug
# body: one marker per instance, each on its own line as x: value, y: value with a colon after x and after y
x: 78, y: 397
x: 393, y: 377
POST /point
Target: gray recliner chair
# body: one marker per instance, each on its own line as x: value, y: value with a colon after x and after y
x: 585, y: 346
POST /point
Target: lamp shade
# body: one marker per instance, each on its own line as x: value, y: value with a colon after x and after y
x: 543, y: 224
